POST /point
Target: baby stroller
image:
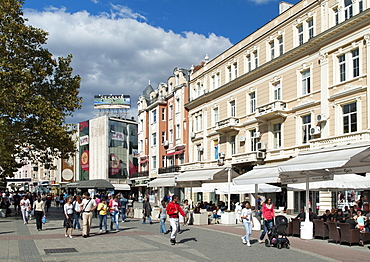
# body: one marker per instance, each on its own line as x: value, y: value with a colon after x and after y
x: 276, y: 235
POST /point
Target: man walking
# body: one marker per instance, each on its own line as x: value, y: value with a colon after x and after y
x: 123, y: 202
x: 173, y: 210
x: 87, y: 207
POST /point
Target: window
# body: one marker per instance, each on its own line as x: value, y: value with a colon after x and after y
x: 163, y: 136
x: 171, y: 112
x: 178, y: 108
x: 215, y: 115
x: 215, y: 149
x: 336, y: 15
x: 252, y: 101
x: 235, y: 70
x: 281, y: 45
x: 272, y: 49
x: 218, y: 80
x: 253, y: 140
x: 310, y: 28
x: 306, y: 82
x: 199, y: 89
x: 164, y: 161
x: 233, y: 145
x: 306, y: 126
x: 300, y: 34
x: 255, y: 54
x: 198, y: 123
x: 277, y: 91
x: 249, y: 63
x: 342, y: 68
x: 356, y: 62
x: 348, y: 9
x: 229, y: 72
x: 350, y: 118
x: 170, y: 161
x: 163, y: 114
x: 277, y: 135
x: 154, y: 116
x: 178, y: 131
x: 154, y: 138
x: 360, y: 6
x: 154, y: 161
x: 200, y: 152
x: 171, y: 136
x: 232, y: 109
x: 213, y: 79
x: 181, y: 158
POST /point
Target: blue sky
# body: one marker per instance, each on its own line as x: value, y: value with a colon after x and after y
x: 119, y: 45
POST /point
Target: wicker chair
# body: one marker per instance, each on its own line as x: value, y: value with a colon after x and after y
x: 289, y: 230
x: 334, y: 235
x: 321, y: 229
x: 348, y: 235
x: 365, y: 237
x: 296, y: 227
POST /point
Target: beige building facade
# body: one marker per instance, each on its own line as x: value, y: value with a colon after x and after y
x: 298, y: 83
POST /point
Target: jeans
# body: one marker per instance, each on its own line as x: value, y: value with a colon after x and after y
x: 267, y: 226
x: 38, y: 217
x: 114, y: 216
x: 248, y: 230
x: 24, y: 215
x: 149, y: 218
x: 123, y: 212
x: 162, y: 228
x: 103, y: 219
x: 76, y: 220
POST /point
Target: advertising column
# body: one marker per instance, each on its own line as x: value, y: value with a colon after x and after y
x: 84, y: 150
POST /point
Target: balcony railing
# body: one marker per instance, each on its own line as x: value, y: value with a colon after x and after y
x: 227, y: 124
x: 140, y: 174
x: 171, y: 169
x: 272, y: 110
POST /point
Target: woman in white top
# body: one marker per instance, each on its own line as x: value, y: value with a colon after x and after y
x: 25, y: 208
x: 68, y: 212
x: 39, y: 209
x: 246, y: 215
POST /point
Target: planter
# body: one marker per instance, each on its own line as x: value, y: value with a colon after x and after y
x: 138, y: 212
x: 155, y: 213
x: 228, y: 218
x: 200, y: 219
x: 306, y: 230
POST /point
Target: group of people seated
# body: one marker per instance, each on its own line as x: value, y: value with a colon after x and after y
x: 356, y: 218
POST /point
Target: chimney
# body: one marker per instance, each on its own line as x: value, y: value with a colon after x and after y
x: 283, y: 6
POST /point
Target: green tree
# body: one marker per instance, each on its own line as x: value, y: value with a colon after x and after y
x: 38, y: 93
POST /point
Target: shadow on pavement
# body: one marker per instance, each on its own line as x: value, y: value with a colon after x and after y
x: 188, y: 239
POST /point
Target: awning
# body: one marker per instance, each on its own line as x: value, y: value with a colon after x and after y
x: 206, y: 175
x: 175, y: 153
x: 259, y: 175
x: 350, y: 181
x: 162, y: 182
x: 337, y: 160
x: 91, y: 184
x: 144, y: 161
x: 248, y: 189
x: 121, y: 187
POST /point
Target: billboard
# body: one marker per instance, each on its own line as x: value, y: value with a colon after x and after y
x: 112, y: 101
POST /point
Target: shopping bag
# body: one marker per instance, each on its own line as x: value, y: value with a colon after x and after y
x: 43, y: 220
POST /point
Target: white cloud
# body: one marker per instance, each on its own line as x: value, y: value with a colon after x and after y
x: 95, y: 1
x: 120, y: 56
x: 260, y: 2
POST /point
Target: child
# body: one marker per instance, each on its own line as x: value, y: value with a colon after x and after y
x: 246, y: 215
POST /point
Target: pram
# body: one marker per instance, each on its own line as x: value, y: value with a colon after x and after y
x: 276, y: 235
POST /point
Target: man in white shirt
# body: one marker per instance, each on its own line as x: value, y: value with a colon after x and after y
x: 87, y: 206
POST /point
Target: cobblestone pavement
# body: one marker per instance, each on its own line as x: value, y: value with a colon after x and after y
x: 143, y: 242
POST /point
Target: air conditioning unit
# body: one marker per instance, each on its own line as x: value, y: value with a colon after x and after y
x: 261, y: 155
x: 221, y: 155
x: 192, y: 135
x: 321, y: 118
x: 261, y: 146
x: 256, y: 134
x: 166, y: 143
x: 315, y: 130
x: 242, y: 139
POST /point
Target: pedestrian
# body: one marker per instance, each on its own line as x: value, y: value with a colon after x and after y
x: 123, y: 201
x: 97, y: 201
x: 16, y: 201
x: 163, y: 217
x: 77, y: 212
x: 48, y: 202
x: 57, y: 201
x: 268, y: 215
x: 39, y: 211
x: 61, y: 200
x: 130, y: 207
x: 114, y: 207
x: 147, y: 211
x: 87, y: 206
x: 173, y: 209
x: 25, y: 208
x: 186, y: 208
x: 103, y: 210
x: 248, y: 224
x: 68, y: 220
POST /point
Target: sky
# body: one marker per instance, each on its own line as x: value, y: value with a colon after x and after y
x: 118, y: 46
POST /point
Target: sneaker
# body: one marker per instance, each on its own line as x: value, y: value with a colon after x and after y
x: 66, y: 235
x: 70, y: 237
x: 260, y: 241
x: 101, y: 231
x: 117, y: 230
x: 172, y: 241
x: 84, y: 236
x: 244, y: 241
x: 248, y: 244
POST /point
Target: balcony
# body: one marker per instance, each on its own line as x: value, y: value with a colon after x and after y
x: 272, y: 110
x: 140, y: 174
x: 226, y: 125
x: 170, y: 169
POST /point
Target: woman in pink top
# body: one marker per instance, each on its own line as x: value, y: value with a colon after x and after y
x: 268, y: 215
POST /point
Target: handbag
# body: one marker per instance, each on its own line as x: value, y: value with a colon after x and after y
x: 43, y: 220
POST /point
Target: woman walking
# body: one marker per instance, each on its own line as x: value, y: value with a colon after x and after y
x: 39, y: 210
x: 163, y: 217
x: 115, y: 207
x: 185, y: 208
x: 147, y: 211
x: 103, y: 210
x: 25, y: 208
x: 77, y: 211
x: 248, y: 224
x: 68, y: 220
x: 268, y: 215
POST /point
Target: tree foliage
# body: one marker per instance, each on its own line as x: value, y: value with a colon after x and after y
x: 38, y: 92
